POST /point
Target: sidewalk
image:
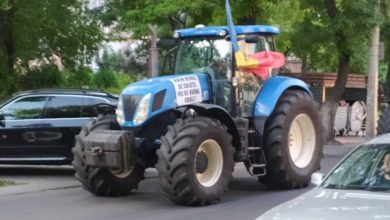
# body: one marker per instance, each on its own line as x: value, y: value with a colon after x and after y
x: 36, y: 178
x: 351, y: 140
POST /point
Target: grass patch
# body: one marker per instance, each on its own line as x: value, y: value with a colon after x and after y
x: 6, y: 183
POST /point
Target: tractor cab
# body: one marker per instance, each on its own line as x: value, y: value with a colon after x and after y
x: 209, y: 50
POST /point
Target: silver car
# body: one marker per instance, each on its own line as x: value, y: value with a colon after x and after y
x: 357, y: 188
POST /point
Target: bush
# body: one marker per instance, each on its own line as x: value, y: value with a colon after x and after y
x: 47, y: 76
x: 79, y: 78
x: 105, y: 78
x: 123, y: 80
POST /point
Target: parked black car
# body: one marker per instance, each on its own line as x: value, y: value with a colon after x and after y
x: 39, y: 126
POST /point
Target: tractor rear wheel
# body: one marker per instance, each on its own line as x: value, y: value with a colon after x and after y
x: 195, y: 161
x: 384, y: 122
x: 292, y: 141
x: 104, y: 181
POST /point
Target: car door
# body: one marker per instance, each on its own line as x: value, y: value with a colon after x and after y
x: 62, y: 120
x: 18, y: 138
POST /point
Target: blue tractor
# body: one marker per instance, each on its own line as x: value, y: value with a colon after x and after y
x: 194, y: 125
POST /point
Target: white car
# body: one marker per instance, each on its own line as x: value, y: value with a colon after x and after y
x: 357, y: 188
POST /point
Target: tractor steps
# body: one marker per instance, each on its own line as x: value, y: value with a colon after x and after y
x: 252, y: 155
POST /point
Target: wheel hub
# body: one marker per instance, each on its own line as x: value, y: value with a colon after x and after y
x: 201, y: 162
x: 301, y: 140
x: 208, y: 163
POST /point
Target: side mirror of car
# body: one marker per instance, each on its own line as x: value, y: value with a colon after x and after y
x: 2, y: 122
x: 105, y: 109
x: 317, y: 178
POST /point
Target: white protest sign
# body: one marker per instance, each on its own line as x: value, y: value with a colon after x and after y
x: 187, y: 89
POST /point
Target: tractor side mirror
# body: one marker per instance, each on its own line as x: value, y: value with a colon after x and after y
x: 252, y: 39
x: 2, y: 122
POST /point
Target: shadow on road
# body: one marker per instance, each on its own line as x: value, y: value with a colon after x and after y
x: 24, y: 170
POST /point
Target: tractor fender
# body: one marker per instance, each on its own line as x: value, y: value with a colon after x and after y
x: 272, y: 90
x: 217, y: 112
x: 267, y: 98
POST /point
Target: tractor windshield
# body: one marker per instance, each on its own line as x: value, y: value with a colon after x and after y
x: 211, y: 56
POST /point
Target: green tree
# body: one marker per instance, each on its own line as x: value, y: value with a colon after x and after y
x: 46, y: 76
x: 123, y: 80
x: 169, y: 15
x: 78, y: 78
x: 385, y: 37
x: 105, y: 78
x: 338, y: 27
x: 132, y: 60
x: 38, y: 29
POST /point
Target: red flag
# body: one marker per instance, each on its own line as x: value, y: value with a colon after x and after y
x: 267, y: 60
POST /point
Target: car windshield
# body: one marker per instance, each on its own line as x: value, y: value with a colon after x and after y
x: 367, y: 168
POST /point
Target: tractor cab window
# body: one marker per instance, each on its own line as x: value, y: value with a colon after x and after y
x: 211, y: 56
x: 251, y: 44
x: 251, y: 84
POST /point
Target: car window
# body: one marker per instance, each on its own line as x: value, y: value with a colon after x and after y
x: 25, y: 108
x: 365, y: 168
x: 102, y: 106
x: 64, y: 107
x: 89, y: 108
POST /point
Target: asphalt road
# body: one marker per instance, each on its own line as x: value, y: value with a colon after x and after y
x: 46, y: 193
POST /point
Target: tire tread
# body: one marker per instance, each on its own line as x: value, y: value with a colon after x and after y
x: 173, y: 161
x: 100, y: 181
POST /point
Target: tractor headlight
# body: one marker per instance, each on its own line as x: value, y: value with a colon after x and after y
x: 142, y: 110
x: 119, y: 112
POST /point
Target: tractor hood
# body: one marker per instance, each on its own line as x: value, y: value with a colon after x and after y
x: 160, y: 94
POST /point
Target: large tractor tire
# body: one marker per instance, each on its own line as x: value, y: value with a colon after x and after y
x: 384, y: 122
x: 104, y: 181
x: 195, y: 161
x: 292, y: 142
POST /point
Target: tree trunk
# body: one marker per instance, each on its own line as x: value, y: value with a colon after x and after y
x: 387, y: 87
x: 7, y: 47
x: 304, y: 65
x: 329, y: 108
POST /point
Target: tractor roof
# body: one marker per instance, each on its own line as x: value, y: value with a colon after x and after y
x: 217, y: 31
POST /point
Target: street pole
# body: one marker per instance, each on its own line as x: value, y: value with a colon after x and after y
x: 372, y: 85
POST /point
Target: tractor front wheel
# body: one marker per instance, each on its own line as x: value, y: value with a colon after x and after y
x: 195, y: 161
x: 104, y: 181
